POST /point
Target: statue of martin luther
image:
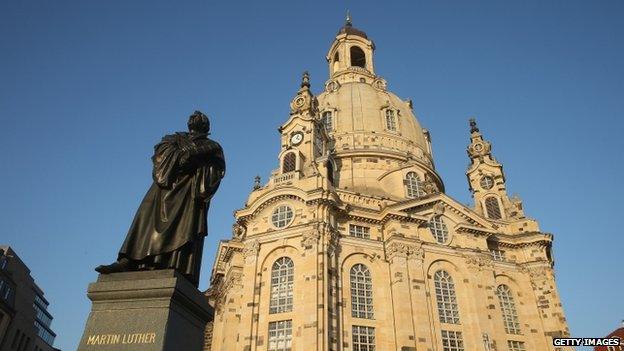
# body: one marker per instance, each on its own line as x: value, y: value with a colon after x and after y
x: 170, y: 225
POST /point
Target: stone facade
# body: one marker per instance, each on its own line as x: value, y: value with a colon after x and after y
x: 352, y: 243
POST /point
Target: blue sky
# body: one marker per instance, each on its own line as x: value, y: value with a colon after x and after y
x: 88, y: 87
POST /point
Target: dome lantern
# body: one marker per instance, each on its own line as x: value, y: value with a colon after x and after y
x: 351, y: 55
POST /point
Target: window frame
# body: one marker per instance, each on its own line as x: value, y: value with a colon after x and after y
x: 282, y: 285
x: 361, y: 288
x: 509, y: 310
x: 274, y: 328
x: 413, y: 184
x: 454, y: 336
x: 292, y: 154
x: 394, y: 125
x: 328, y: 128
x: 287, y: 220
x: 359, y: 231
x: 439, y: 230
x: 446, y: 298
x: 516, y: 345
x: 494, y: 200
x: 363, y: 341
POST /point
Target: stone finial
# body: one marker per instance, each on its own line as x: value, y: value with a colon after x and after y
x: 473, y: 125
x: 305, y: 79
x: 256, y: 185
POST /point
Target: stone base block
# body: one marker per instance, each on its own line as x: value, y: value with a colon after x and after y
x: 145, y: 311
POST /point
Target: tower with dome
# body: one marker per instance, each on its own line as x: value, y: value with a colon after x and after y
x: 353, y: 244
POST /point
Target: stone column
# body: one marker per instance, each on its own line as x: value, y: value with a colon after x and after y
x: 397, y: 255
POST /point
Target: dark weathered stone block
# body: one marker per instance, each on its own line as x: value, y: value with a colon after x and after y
x: 145, y: 311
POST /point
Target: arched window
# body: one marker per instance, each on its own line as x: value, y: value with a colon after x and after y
x: 289, y: 162
x: 438, y: 229
x: 336, y: 57
x: 282, y: 277
x: 330, y: 171
x: 358, y: 58
x: 390, y: 120
x: 361, y: 292
x: 508, y: 309
x: 328, y: 121
x: 491, y: 208
x: 412, y: 185
x: 446, y: 298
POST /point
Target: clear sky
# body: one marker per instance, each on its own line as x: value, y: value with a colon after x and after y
x: 88, y: 87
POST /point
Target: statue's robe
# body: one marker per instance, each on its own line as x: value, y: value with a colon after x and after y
x: 170, y: 225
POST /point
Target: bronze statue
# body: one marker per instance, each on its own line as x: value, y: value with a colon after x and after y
x: 170, y: 225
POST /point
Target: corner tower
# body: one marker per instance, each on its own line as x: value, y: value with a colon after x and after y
x: 486, y: 180
x: 353, y: 244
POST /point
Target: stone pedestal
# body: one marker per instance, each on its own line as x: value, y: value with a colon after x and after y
x: 145, y: 311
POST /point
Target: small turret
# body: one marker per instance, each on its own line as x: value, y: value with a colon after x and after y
x: 486, y: 180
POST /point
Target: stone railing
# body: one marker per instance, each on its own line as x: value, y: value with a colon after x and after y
x: 283, y: 178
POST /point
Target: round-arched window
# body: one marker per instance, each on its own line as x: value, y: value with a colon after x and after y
x: 508, y: 309
x: 492, y: 208
x: 413, y: 186
x: 282, y: 281
x: 438, y: 229
x: 289, y: 163
x: 361, y: 292
x: 282, y: 216
x: 358, y: 58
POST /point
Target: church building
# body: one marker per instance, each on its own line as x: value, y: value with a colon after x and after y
x: 353, y: 244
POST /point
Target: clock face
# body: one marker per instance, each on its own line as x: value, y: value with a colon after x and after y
x: 296, y: 138
x: 299, y: 102
x: 487, y: 182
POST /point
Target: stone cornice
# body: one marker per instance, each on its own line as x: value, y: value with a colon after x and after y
x: 528, y: 239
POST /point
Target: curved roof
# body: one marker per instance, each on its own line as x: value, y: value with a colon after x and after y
x: 361, y: 108
x: 351, y: 30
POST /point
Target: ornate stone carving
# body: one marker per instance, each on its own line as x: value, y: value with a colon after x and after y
x: 309, y: 239
x: 537, y: 273
x: 233, y: 280
x: 405, y: 250
x: 251, y: 249
x: 438, y: 209
x: 238, y: 230
x: 479, y: 262
x: 332, y: 86
x: 380, y: 84
x: 429, y: 186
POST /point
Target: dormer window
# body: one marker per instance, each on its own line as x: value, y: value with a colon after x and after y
x: 358, y: 58
x: 289, y: 162
x: 328, y: 121
x: 412, y: 185
x: 390, y: 120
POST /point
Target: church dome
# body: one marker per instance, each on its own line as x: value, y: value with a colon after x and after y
x: 376, y: 138
x: 378, y: 116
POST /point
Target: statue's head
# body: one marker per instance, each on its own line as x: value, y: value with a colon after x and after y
x: 198, y: 123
